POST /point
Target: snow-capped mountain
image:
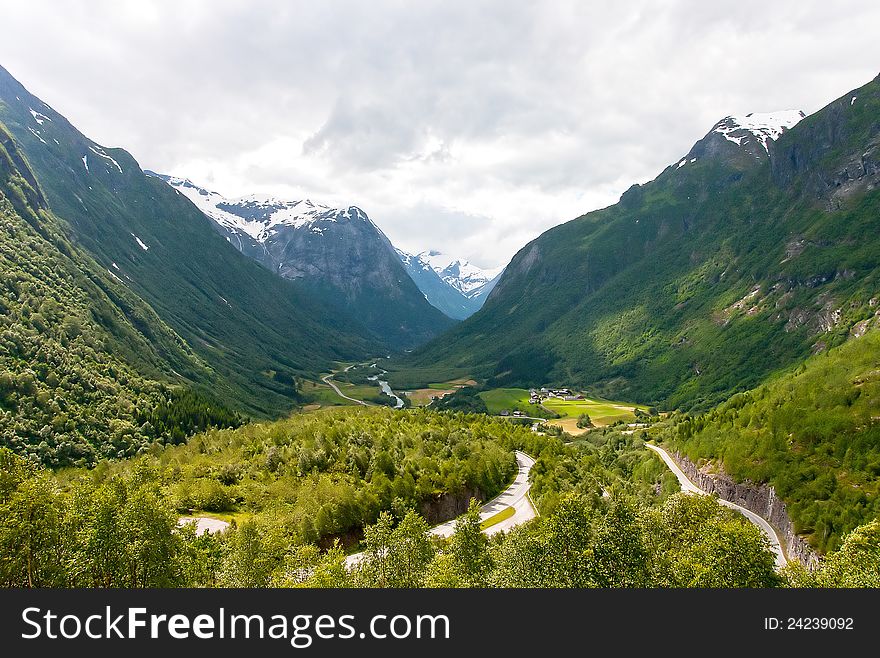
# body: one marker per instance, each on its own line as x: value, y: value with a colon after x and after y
x: 338, y: 252
x: 764, y: 127
x: 742, y: 139
x: 468, y: 279
x: 455, y: 286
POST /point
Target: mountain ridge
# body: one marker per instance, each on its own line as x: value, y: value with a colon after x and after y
x: 456, y: 287
x: 255, y: 331
x: 728, y: 262
x: 339, y: 254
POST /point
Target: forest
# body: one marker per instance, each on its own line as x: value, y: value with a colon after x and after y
x: 303, y: 492
x: 812, y: 433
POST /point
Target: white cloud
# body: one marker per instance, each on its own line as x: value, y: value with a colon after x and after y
x: 468, y: 127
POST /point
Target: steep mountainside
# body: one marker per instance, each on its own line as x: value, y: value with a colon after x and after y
x: 255, y: 330
x: 337, y: 253
x: 85, y: 365
x: 814, y: 434
x: 752, y: 251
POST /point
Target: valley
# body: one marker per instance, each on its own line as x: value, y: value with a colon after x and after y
x: 169, y: 353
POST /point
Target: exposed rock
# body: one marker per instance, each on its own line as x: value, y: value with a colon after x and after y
x: 449, y: 506
x: 758, y: 498
x: 860, y: 328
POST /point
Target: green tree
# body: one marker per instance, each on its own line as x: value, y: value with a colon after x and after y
x: 250, y: 559
x: 469, y: 547
x: 856, y: 563
x: 618, y: 556
x: 32, y: 553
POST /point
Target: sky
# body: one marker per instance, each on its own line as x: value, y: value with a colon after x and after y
x: 467, y: 127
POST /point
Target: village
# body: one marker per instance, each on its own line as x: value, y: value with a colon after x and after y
x: 537, y: 396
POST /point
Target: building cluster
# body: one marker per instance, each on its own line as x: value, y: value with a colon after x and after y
x: 538, y: 395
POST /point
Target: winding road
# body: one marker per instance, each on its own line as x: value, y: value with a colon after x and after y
x: 515, y: 496
x: 329, y: 381
x: 688, y: 486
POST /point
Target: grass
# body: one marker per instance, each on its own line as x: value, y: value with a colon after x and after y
x: 422, y: 397
x: 358, y: 391
x: 323, y: 395
x: 600, y: 412
x: 407, y: 379
x: 495, y: 519
x: 511, y: 399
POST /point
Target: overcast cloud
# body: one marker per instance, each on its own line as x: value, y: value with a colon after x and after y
x: 469, y: 127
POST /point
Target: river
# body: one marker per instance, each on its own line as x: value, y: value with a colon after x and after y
x: 386, y: 389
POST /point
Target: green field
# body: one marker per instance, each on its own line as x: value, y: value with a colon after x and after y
x: 601, y: 412
x: 404, y: 379
x: 320, y: 393
x: 511, y: 399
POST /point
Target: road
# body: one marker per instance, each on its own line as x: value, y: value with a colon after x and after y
x: 515, y: 496
x: 329, y: 381
x: 204, y: 524
x: 688, y: 486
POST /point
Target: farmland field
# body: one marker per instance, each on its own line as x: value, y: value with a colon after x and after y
x: 601, y: 412
x: 511, y: 399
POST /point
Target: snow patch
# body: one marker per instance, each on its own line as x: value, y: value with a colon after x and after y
x: 37, y: 135
x: 682, y: 163
x: 458, y: 273
x: 85, y: 160
x: 100, y: 153
x: 852, y: 102
x: 766, y: 127
x: 38, y: 116
x: 140, y: 242
x: 260, y: 217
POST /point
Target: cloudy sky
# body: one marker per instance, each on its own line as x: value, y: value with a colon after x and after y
x: 469, y: 127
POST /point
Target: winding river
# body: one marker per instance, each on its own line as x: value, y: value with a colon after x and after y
x: 386, y: 389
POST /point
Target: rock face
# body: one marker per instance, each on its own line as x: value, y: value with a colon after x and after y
x: 337, y: 253
x: 448, y: 506
x: 758, y: 498
x: 833, y: 170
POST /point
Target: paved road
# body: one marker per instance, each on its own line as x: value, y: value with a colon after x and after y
x: 204, y: 524
x: 688, y: 486
x: 515, y: 496
x: 329, y: 380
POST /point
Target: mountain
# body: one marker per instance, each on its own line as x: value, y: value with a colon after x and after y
x: 339, y: 254
x: 454, y: 286
x: 754, y: 250
x: 470, y: 280
x: 812, y: 433
x: 254, y: 331
x: 87, y: 369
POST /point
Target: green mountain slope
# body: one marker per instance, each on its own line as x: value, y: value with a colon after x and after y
x: 814, y: 434
x: 256, y: 331
x: 82, y: 359
x: 733, y: 263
